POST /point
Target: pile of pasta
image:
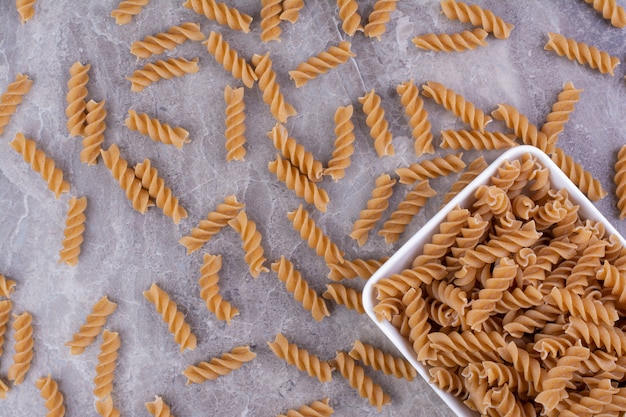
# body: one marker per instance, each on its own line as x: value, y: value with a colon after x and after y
x: 516, y: 303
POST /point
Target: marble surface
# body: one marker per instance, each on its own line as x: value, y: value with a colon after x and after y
x: 124, y: 251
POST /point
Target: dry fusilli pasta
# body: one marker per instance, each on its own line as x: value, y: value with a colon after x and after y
x: 222, y: 13
x: 272, y: 96
x: 343, y: 148
x: 379, y: 128
x: 377, y: 20
x: 95, y: 321
x: 455, y: 42
x: 73, y: 233
x: 157, y: 131
x: 349, y: 15
x: 270, y: 20
x: 93, y: 132
x: 49, y: 390
x: 346, y: 296
x: 359, y: 381
x: 473, y: 170
x: 7, y: 287
x: 579, y: 176
x: 457, y: 104
x: 520, y: 125
x: 314, y: 236
x: 431, y: 168
x: 106, y: 408
x: 158, y: 408
x: 303, y: 160
x: 611, y: 11
x: 210, y: 290
x: 301, y: 358
x: 582, y: 53
x: 230, y: 60
x: 376, y: 205
x: 620, y: 181
x: 165, y: 41
x: 418, y: 117
x: 299, y: 183
x: 5, y: 310
x: 559, y: 115
x: 23, y: 327
x: 106, y: 364
x: 363, y: 268
x: 153, y: 72
x: 26, y: 9
x: 221, y: 366
x: 474, y: 139
x: 251, y: 242
x: 75, y: 98
x: 12, y: 98
x: 321, y: 63
x: 381, y: 361
x: 316, y: 408
x: 126, y: 9
x: 235, y: 124
x: 291, y: 10
x: 162, y: 195
x: 477, y: 16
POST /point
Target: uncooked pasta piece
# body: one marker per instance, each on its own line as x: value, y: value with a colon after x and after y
x: 153, y: 72
x: 586, y: 308
x: 457, y: 104
x: 379, y: 128
x: 210, y: 290
x: 446, y: 380
x: 348, y: 297
x: 213, y: 223
x: 350, y: 17
x: 583, y: 179
x: 235, y: 124
x: 157, y: 131
x: 418, y: 117
x: 362, y: 268
x: 94, y: 323
x: 316, y: 408
x: 431, y: 168
x: 521, y: 127
x: 126, y: 178
x: 166, y: 41
x: 272, y: 96
x: 321, y: 63
x: 455, y: 42
x: 49, y: 390
x: 378, y: 18
x: 157, y: 190
x: 300, y: 289
x: 620, y: 181
x: 251, y: 243
x: 106, y: 408
x: 561, y: 109
x: 315, y: 237
x: 291, y: 10
x: 230, y: 60
x: 7, y: 286
x: 582, y: 53
x: 26, y: 9
x: 73, y: 233
x: 299, y: 183
x: 4, y: 388
x: 380, y: 361
x: 474, y: 139
x: 270, y: 20
x: 75, y: 98
x: 5, y: 310
x: 41, y: 163
x: 126, y: 9
x: 297, y: 155
x: 23, y: 327
x: 376, y: 205
x: 106, y: 364
x: 12, y: 98
x: 359, y: 381
x: 611, y: 11
x: 301, y: 358
x: 343, y: 148
x: 217, y: 367
x: 477, y: 16
x: 172, y: 316
x: 221, y: 13
x: 93, y: 132
x: 158, y: 408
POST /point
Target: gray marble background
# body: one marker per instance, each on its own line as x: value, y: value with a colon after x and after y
x: 124, y: 251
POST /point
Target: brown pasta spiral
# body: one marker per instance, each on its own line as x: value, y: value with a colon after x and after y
x: 75, y: 98
x: 610, y: 11
x: 270, y: 20
x: 343, y: 148
x: 164, y: 41
x: 299, y: 183
x: 26, y: 9
x: 314, y: 236
x: 251, y: 243
x: 613, y: 280
x: 221, y: 366
x: 345, y: 296
x: 457, y: 104
x: 153, y: 72
x: 126, y: 9
x: 301, y: 358
x: 381, y: 361
x: 95, y: 321
x: 23, y: 327
x: 157, y: 131
x: 5, y: 309
x: 455, y: 42
x: 477, y: 16
x: 315, y: 409
x: 620, y: 181
x: 446, y: 380
x: 473, y: 170
x: 376, y: 205
x: 210, y: 290
x: 419, y: 327
x: 561, y: 109
x: 162, y: 195
x: 474, y: 139
x: 291, y: 10
x: 350, y: 18
x: 12, y: 98
x: 377, y: 20
x: 586, y: 308
x: 579, y: 176
x: 321, y: 63
x: 49, y: 390
x: 272, y: 96
x: 520, y: 125
x: 93, y: 132
x: 581, y: 52
x: 7, y: 287
x: 379, y: 128
x: 297, y: 155
x: 363, y: 268
x: 73, y: 233
x: 230, y: 60
x: 158, y: 408
x: 431, y: 168
x: 418, y: 117
x: 106, y: 364
x: 235, y: 124
x: 221, y: 13
x: 359, y: 381
x: 106, y: 408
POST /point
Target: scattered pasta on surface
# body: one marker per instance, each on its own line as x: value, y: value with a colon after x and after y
x: 376, y: 205
x: 349, y: 269
x: 418, y: 117
x: 297, y: 155
x: 5, y: 310
x: 431, y: 168
x: 582, y: 53
x: 73, y: 233
x: 162, y: 195
x: 579, y: 176
x: 220, y: 366
x: 166, y: 41
x: 314, y: 236
x: 473, y: 170
x: 610, y: 10
x: 126, y: 9
x: 477, y: 16
x: 94, y: 323
x: 26, y: 9
x: 350, y: 17
x: 235, y: 124
x: 299, y: 183
x: 474, y: 139
x: 230, y: 59
x: 359, y: 381
x: 378, y: 18
x: 301, y: 358
x: 106, y: 408
x: 49, y: 390
x: 12, y: 98
x: 457, y: 104
x: 7, y: 287
x: 291, y: 10
x: 454, y: 42
x: 106, y: 364
x: 343, y: 148
x: 380, y: 361
x: 251, y: 243
x: 93, y: 132
x: 620, y: 181
x: 379, y: 128
x: 316, y: 408
x: 158, y: 408
x: 161, y: 70
x: 280, y: 109
x: 76, y: 98
x: 210, y: 290
x: 270, y: 20
x: 558, y: 117
x: 221, y: 13
x: 322, y: 63
x: 157, y: 131
x: 346, y: 296
x: 522, y: 128
x: 23, y: 328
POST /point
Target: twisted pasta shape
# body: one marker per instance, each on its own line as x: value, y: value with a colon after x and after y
x: 41, y: 163
x: 561, y: 109
x: 4, y: 388
x: 361, y: 382
x: 615, y: 281
x: 221, y: 366
x: 407, y: 209
x: 298, y: 182
x: 251, y: 242
x: 579, y: 176
x: 446, y: 380
x: 7, y: 286
x: 519, y: 298
x: 376, y: 205
x: 611, y: 338
x: 343, y: 148
x: 157, y: 131
x: 291, y: 10
x: 431, y: 168
x: 381, y: 361
x: 477, y: 16
x: 582, y: 53
x: 270, y: 20
x: 315, y: 409
x: 387, y: 308
x: 73, y: 233
x: 165, y: 41
x: 12, y: 98
x: 379, y: 128
x: 95, y: 321
x: 473, y: 169
x: 315, y: 237
x: 26, y: 9
x: 210, y: 290
x: 363, y: 268
x: 75, y: 98
x: 235, y: 124
x: 521, y: 127
x: 457, y: 104
x: 620, y: 181
x: 93, y: 132
x: 455, y: 42
x: 126, y: 178
x: 153, y: 72
x: 419, y: 326
x: 549, y: 214
x: 474, y: 139
x: 586, y: 308
x: 523, y: 363
x: 450, y: 295
x: 272, y: 96
x: 162, y: 195
x: 23, y: 327
x: 494, y: 199
x: 502, y: 401
x: 418, y: 117
x: 213, y: 223
x: 106, y: 408
x: 221, y: 13
x: 106, y: 364
x: 304, y: 161
x: 610, y: 11
x: 5, y: 309
x: 377, y: 20
x: 300, y: 289
x: 158, y: 408
x: 230, y: 60
x: 172, y: 316
x: 346, y: 296
x: 301, y: 358
x: 321, y: 63
x: 49, y: 390
x: 126, y: 9
x: 350, y: 17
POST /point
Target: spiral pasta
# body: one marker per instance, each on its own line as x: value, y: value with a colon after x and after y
x: 418, y: 117
x: 213, y: 223
x: 106, y: 364
x: 348, y: 297
x: 520, y: 125
x: 314, y: 236
x: 316, y: 409
x: 378, y: 18
x: 379, y: 128
x: 376, y: 205
x: 73, y: 233
x: 23, y: 327
x: 4, y: 388
x: 75, y: 98
x: 251, y: 243
x: 300, y: 289
x: 359, y: 381
x: 165, y: 41
x: 49, y: 390
x: 126, y: 178
x: 41, y: 163
x: 579, y: 176
x: 611, y: 11
x: 106, y: 408
x: 93, y: 132
x: 582, y: 53
x: 162, y: 195
x: 26, y: 9
x: 301, y: 358
x: 158, y: 408
x: 126, y: 9
x: 321, y: 63
x: 157, y: 131
x: 381, y: 361
x: 477, y: 16
x: 455, y: 42
x: 343, y: 148
x: 221, y: 366
x: 561, y: 109
x: 270, y: 20
x: 12, y: 98
x: 221, y: 13
x: 153, y: 72
x: 299, y: 183
x: 230, y: 60
x: 473, y: 169
x: 7, y: 287
x: 95, y: 321
x: 297, y: 155
x: 5, y: 309
x: 446, y: 380
x: 363, y: 268
x: 620, y: 181
x: 291, y: 10
x: 172, y: 316
x: 431, y: 168
x: 235, y: 124
x: 350, y: 17
x: 474, y: 139
x: 586, y: 308
x: 457, y: 104
x: 210, y: 290
x: 280, y: 109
